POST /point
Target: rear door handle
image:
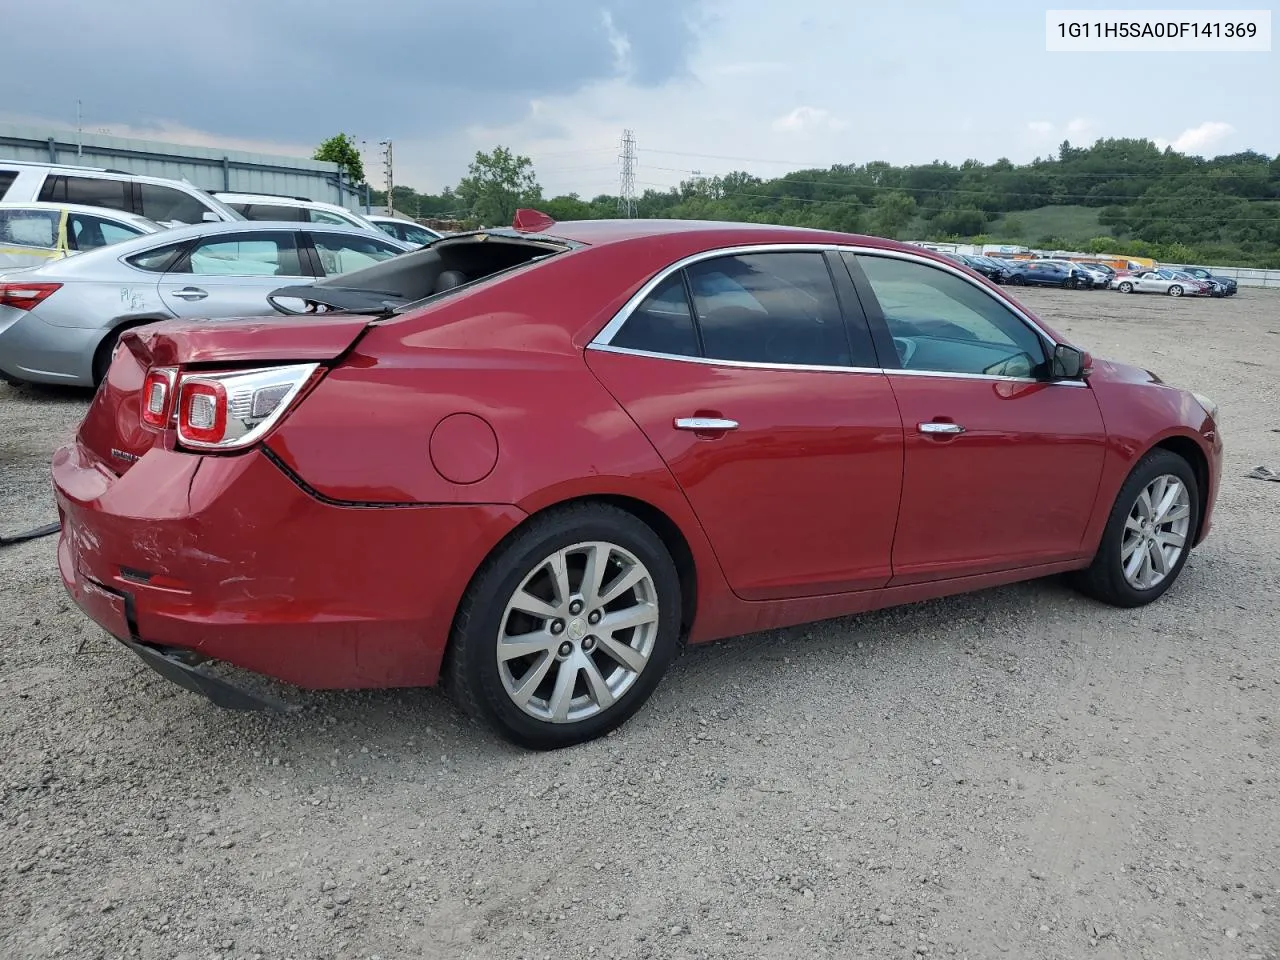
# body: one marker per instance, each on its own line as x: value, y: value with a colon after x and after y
x: 705, y: 424
x: 951, y: 428
x: 190, y: 293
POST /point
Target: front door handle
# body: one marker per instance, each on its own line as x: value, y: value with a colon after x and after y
x: 705, y: 424
x: 934, y: 427
x: 190, y: 293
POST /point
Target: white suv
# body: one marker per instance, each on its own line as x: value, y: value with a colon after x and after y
x: 267, y: 206
x: 167, y: 202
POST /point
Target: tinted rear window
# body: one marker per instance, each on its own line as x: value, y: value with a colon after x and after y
x: 6, y: 181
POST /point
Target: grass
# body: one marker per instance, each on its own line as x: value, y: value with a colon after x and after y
x: 1075, y: 224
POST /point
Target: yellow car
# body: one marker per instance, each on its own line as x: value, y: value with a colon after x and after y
x: 35, y: 233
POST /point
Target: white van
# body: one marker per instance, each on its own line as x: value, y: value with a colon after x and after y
x: 167, y: 202
x: 270, y: 206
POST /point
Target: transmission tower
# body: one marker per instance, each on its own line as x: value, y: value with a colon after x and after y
x: 627, y: 193
x: 386, y: 167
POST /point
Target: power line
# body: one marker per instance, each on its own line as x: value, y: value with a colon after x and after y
x: 955, y: 190
x: 990, y: 213
x: 1022, y: 168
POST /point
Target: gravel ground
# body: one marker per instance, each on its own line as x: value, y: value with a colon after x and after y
x: 1018, y: 772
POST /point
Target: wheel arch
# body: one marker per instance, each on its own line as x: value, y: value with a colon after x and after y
x: 1190, y: 450
x: 111, y: 334
x: 667, y: 530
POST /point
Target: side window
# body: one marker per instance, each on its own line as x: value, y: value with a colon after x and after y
x: 157, y: 260
x: 415, y: 234
x: 388, y: 228
x: 243, y: 255
x: 941, y: 322
x: 771, y: 308
x: 6, y: 181
x: 29, y: 228
x: 163, y: 204
x: 86, y: 232
x: 269, y: 211
x: 99, y: 192
x: 326, y: 216
x: 342, y: 254
x: 663, y: 323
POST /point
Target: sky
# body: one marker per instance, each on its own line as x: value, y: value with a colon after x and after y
x: 707, y: 86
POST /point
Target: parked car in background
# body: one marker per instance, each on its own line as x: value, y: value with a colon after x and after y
x: 993, y: 271
x: 1161, y: 281
x: 406, y: 230
x: 1050, y: 273
x: 167, y: 202
x: 593, y: 441
x: 60, y: 322
x: 1221, y: 286
x: 1099, y: 274
x: 266, y: 206
x: 35, y: 233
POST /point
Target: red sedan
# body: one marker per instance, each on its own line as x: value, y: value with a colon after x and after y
x: 532, y: 462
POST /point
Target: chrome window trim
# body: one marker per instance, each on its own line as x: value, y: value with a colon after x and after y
x: 744, y: 364
x: 603, y: 339
x: 816, y: 368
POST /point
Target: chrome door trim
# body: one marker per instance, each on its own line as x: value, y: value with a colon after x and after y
x: 933, y: 427
x: 700, y: 424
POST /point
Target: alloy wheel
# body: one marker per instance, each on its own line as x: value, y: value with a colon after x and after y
x: 1175, y: 291
x: 577, y: 632
x: 1155, y: 532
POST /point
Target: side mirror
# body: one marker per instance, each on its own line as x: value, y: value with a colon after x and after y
x: 1068, y: 363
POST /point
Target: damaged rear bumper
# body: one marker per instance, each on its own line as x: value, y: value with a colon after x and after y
x: 114, y: 611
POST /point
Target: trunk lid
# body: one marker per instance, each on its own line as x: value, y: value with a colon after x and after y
x: 113, y: 429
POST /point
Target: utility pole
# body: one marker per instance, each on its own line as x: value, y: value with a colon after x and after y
x: 386, y: 164
x: 627, y: 187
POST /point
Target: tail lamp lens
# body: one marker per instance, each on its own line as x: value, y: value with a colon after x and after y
x: 157, y: 396
x: 25, y: 296
x: 230, y: 411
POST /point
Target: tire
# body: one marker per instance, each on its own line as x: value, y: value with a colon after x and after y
x: 1125, y: 287
x: 1105, y: 579
x: 1175, y: 291
x: 1015, y: 281
x: 487, y: 688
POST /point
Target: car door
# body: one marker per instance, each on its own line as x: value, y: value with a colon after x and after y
x: 1149, y: 283
x: 230, y: 274
x: 772, y: 414
x: 334, y: 253
x: 1001, y: 465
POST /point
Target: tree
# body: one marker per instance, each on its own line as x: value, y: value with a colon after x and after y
x: 891, y: 214
x: 341, y: 149
x: 497, y: 185
x: 1013, y: 226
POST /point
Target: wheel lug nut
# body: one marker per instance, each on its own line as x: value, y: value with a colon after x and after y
x: 593, y: 617
x: 575, y: 607
x: 557, y: 626
x: 589, y: 643
x: 566, y: 648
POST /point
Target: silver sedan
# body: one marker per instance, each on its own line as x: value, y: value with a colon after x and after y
x: 59, y: 322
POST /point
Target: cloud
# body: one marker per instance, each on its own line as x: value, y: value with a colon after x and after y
x: 808, y: 120
x: 1078, y: 128
x: 284, y: 71
x: 1198, y: 140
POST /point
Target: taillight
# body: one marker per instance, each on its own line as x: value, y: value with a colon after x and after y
x: 157, y: 396
x: 229, y: 411
x: 25, y: 296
